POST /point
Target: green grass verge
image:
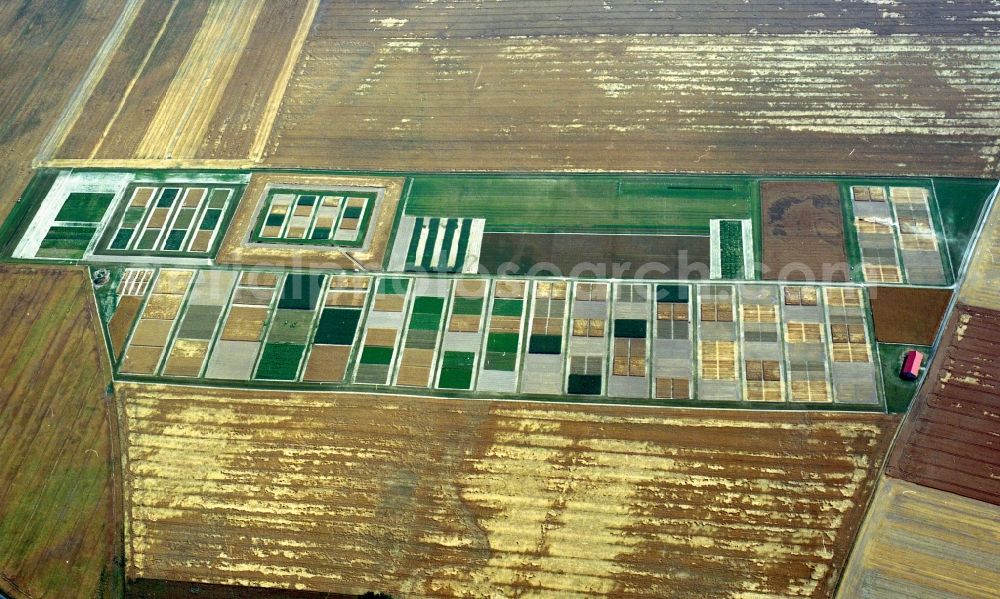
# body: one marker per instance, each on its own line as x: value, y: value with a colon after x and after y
x: 898, y: 392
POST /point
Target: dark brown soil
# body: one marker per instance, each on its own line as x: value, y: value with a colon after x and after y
x: 803, y: 231
x: 907, y: 314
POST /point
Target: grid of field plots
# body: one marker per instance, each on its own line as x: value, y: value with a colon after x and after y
x: 337, y: 218
x: 748, y: 342
x: 896, y: 235
x: 169, y: 219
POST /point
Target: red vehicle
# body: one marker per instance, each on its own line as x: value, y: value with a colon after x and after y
x: 911, y: 365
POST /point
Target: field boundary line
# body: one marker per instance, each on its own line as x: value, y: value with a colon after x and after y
x: 95, y: 72
x: 281, y: 83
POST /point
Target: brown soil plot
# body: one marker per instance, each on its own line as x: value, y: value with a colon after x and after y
x: 803, y: 234
x: 906, y: 314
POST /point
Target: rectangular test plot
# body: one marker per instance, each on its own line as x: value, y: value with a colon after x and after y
x: 290, y: 327
x: 238, y: 341
x: 423, y: 332
x: 852, y: 365
x: 630, y: 329
x: 918, y: 244
x: 672, y: 348
x: 463, y: 335
x: 806, y: 357
x: 875, y: 226
x: 718, y: 350
x: 198, y: 325
x: 337, y: 329
x: 383, y: 328
x: 499, y: 369
x: 151, y: 334
x: 763, y: 372
x: 588, y: 343
x: 543, y: 360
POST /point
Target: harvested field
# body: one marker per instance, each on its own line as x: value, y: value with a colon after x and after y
x: 453, y: 498
x: 919, y: 542
x: 47, y: 47
x: 411, y: 87
x: 58, y: 522
x: 908, y: 314
x: 948, y: 441
x: 191, y: 80
x: 803, y: 231
x: 640, y: 256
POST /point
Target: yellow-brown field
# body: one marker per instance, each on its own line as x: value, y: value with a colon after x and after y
x: 921, y: 542
x: 349, y: 492
x: 981, y: 286
x: 58, y: 492
x: 190, y: 82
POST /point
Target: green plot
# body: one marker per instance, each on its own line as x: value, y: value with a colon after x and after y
x: 507, y: 307
x: 66, y: 241
x: 337, y: 326
x: 374, y: 354
x: 426, y: 313
x: 468, y: 306
x: 731, y: 249
x: 85, y: 207
x: 630, y: 328
x: 280, y: 361
x: 545, y: 344
x: 300, y: 292
x: 898, y: 391
x: 960, y: 204
x: 393, y: 286
x: 584, y: 384
x: 591, y: 203
x: 456, y: 370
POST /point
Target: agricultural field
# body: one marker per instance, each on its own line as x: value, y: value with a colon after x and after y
x: 425, y: 509
x: 920, y: 542
x: 611, y: 87
x: 189, y: 81
x: 60, y: 512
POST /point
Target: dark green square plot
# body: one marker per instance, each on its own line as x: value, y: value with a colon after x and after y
x: 507, y: 307
x: 85, y: 207
x: 320, y: 233
x: 122, y: 237
x: 167, y: 197
x: 545, y: 344
x: 630, y: 328
x: 199, y: 322
x: 175, y: 239
x: 469, y: 306
x: 672, y: 294
x: 504, y: 361
x: 300, y: 292
x: 455, y: 378
x: 502, y: 342
x: 306, y: 201
x: 352, y: 212
x: 211, y: 220
x: 376, y: 355
x: 337, y: 326
x: 290, y: 326
x: 584, y: 384
x: 425, y: 322
x: 274, y: 220
x: 393, y: 286
x: 458, y: 359
x: 280, y: 361
x: 428, y: 305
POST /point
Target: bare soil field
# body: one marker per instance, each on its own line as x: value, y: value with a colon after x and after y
x: 58, y: 529
x: 920, y: 542
x: 803, y: 233
x: 948, y: 441
x: 349, y: 492
x: 47, y: 46
x: 908, y: 314
x: 190, y: 80
x: 424, y: 88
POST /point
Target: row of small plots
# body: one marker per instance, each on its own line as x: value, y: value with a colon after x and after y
x: 172, y: 219
x: 754, y: 342
x: 896, y: 235
x: 314, y: 217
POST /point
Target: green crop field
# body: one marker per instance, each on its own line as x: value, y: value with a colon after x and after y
x: 591, y: 203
